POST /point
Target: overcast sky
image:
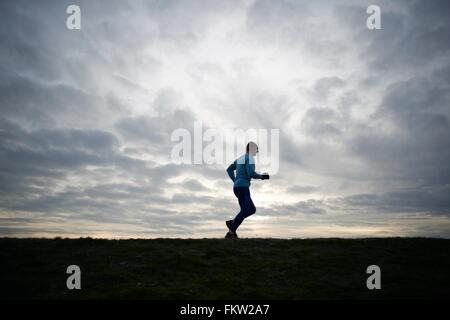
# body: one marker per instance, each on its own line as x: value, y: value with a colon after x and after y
x: 86, y: 117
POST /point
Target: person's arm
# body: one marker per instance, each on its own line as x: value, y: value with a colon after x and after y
x: 230, y: 171
x: 251, y: 171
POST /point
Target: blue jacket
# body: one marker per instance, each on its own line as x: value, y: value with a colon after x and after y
x: 245, y: 171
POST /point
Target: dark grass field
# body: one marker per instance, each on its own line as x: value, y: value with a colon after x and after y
x: 225, y: 269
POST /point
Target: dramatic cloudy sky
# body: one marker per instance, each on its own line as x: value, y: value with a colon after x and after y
x: 86, y: 116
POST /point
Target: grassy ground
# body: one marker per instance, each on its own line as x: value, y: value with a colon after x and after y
x: 225, y: 269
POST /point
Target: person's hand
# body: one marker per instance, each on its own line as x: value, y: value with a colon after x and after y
x: 265, y: 176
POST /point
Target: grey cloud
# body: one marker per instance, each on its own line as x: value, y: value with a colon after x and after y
x: 194, y: 185
x: 320, y: 122
x: 192, y: 18
x: 302, y: 189
x: 324, y: 86
x: 418, y: 44
x: 311, y: 206
x: 190, y: 199
x: 155, y: 129
x: 418, y: 146
x: 427, y: 200
x: 414, y: 34
x: 47, y: 105
x: 56, y: 148
x: 34, y: 163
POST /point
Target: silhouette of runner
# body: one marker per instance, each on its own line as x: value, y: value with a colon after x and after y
x: 245, y: 171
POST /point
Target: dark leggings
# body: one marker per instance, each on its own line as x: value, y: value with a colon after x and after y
x: 246, y: 204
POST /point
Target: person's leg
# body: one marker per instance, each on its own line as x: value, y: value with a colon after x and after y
x: 246, y: 204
